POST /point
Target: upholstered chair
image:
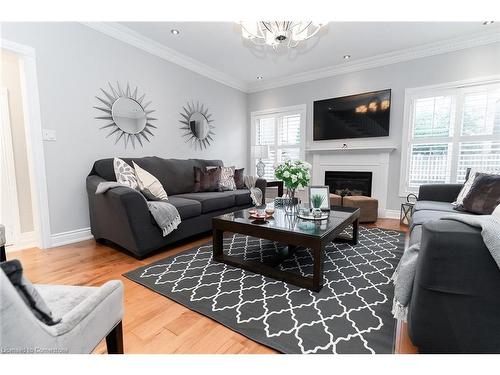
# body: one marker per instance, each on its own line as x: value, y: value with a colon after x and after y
x: 2, y: 243
x: 88, y: 315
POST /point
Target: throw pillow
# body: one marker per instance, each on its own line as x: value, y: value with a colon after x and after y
x: 206, y: 180
x: 14, y: 271
x: 124, y: 173
x: 484, y: 195
x: 149, y: 185
x: 468, y: 184
x: 238, y: 178
x: 226, y: 181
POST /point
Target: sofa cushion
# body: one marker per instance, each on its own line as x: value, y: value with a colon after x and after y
x: 433, y: 206
x: 213, y: 200
x: 415, y: 235
x: 242, y: 197
x: 187, y: 207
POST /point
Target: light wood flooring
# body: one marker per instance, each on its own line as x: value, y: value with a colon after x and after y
x: 152, y: 323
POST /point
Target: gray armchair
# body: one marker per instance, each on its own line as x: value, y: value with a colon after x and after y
x: 88, y: 315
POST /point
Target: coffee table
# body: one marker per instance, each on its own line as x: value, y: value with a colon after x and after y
x: 288, y: 230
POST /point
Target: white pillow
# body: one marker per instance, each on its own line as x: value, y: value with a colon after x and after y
x: 124, y: 173
x: 470, y: 181
x: 226, y: 181
x: 149, y: 185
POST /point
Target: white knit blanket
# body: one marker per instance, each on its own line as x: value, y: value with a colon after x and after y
x: 255, y: 192
x: 404, y: 274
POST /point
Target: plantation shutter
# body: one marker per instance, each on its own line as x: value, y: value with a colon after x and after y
x: 452, y: 131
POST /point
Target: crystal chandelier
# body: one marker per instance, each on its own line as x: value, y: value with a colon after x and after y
x: 279, y: 33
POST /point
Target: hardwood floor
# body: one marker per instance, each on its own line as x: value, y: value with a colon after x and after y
x: 152, y: 323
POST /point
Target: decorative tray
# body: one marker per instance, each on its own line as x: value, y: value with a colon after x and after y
x: 324, y: 216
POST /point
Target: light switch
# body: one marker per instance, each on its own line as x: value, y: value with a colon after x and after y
x: 48, y: 134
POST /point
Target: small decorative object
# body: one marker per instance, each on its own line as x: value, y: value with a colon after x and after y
x: 197, y: 125
x: 319, y: 197
x: 127, y: 116
x: 316, y: 201
x: 320, y: 215
x: 270, y: 211
x: 294, y: 174
x: 260, y: 152
x: 407, y: 209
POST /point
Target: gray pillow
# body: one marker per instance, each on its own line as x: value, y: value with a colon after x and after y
x: 14, y: 271
x: 484, y: 194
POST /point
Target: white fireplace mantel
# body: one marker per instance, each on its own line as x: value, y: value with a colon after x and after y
x: 357, y: 159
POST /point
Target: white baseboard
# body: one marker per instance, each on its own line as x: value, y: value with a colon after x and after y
x: 391, y: 214
x: 72, y: 236
x: 26, y: 240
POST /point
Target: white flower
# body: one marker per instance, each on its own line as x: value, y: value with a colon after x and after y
x: 286, y: 174
x: 299, y: 175
x: 294, y: 178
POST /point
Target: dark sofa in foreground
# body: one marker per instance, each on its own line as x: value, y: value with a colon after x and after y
x: 121, y: 215
x: 455, y: 305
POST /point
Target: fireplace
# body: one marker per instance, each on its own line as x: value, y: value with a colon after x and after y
x: 355, y: 183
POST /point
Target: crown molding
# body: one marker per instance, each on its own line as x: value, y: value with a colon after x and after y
x: 426, y: 50
x: 126, y: 35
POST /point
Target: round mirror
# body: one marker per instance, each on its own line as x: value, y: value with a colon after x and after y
x: 199, y: 125
x: 128, y: 115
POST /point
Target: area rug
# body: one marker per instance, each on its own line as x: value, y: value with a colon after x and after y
x: 351, y: 313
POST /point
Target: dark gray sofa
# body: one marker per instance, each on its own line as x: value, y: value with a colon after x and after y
x: 455, y: 305
x: 121, y: 215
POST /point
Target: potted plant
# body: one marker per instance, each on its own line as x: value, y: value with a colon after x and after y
x: 316, y: 202
x: 294, y: 174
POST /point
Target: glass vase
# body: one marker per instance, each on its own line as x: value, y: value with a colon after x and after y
x: 292, y: 203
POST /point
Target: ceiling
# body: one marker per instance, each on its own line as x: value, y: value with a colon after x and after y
x: 219, y: 45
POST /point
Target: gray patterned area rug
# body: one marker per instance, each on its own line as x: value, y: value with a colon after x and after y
x: 351, y: 313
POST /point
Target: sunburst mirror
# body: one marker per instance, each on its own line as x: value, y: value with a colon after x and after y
x: 197, y: 124
x: 128, y: 118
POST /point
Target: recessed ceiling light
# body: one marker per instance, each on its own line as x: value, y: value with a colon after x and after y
x: 347, y: 57
x: 175, y: 32
x: 488, y: 22
x: 259, y: 77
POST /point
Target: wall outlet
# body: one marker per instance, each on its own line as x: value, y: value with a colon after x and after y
x: 48, y: 135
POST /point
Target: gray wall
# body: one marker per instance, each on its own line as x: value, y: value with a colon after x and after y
x: 73, y: 62
x: 455, y: 66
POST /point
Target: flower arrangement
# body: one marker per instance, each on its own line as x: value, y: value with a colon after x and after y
x: 294, y: 174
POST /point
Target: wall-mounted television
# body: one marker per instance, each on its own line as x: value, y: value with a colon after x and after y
x: 355, y: 116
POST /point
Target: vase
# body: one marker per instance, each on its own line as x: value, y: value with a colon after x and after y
x: 292, y: 203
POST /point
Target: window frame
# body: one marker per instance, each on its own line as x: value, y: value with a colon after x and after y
x: 278, y: 112
x: 454, y: 139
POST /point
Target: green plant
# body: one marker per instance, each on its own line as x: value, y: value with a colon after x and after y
x: 317, y: 200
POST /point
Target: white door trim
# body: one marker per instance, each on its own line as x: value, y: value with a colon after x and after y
x: 11, y: 222
x: 34, y: 142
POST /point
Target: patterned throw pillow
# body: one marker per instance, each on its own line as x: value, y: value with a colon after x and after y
x: 206, y: 180
x: 226, y: 181
x: 149, y: 185
x: 484, y: 195
x: 124, y: 173
x: 468, y: 184
x: 238, y: 178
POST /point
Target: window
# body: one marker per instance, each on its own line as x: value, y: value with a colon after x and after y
x: 449, y: 130
x: 283, y: 130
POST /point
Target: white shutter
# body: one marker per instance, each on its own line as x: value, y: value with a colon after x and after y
x: 282, y: 133
x: 452, y: 129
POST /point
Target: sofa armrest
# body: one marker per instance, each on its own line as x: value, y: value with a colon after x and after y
x: 439, y: 192
x: 454, y: 304
x: 120, y: 215
x: 261, y: 183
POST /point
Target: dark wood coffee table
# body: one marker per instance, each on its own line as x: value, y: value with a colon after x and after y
x: 286, y: 230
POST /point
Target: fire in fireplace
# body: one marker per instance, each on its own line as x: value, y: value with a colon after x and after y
x: 349, y: 183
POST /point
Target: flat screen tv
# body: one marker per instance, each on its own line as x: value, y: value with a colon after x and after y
x: 355, y: 116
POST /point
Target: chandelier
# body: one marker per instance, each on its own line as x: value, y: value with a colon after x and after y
x: 279, y: 33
